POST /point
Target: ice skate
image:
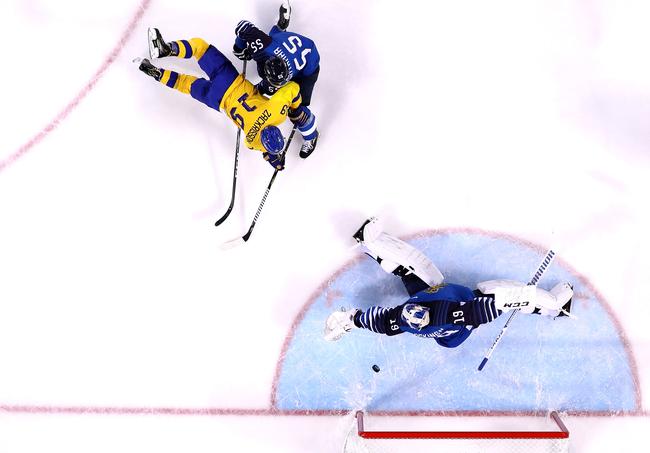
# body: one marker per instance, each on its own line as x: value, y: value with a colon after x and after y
x: 149, y: 69
x: 285, y: 15
x: 158, y: 48
x: 308, y: 147
x: 339, y: 323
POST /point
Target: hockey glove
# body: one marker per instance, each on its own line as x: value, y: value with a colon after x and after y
x: 242, y: 54
x: 276, y: 160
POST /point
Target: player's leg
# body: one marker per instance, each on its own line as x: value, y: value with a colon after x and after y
x: 284, y: 16
x: 307, y: 86
x: 305, y: 122
x: 217, y: 66
x: 181, y: 82
x: 158, y: 48
x: 200, y: 89
x: 399, y: 258
x: 512, y: 295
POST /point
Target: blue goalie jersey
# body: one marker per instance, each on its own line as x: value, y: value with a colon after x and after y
x: 449, y: 314
x: 440, y: 298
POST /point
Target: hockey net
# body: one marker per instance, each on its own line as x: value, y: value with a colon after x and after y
x: 488, y: 434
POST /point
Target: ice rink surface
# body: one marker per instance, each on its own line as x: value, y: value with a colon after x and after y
x: 124, y: 327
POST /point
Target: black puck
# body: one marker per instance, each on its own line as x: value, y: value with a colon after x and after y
x: 375, y: 368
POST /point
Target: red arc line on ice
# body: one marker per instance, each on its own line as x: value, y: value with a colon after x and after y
x: 273, y: 410
x: 63, y: 114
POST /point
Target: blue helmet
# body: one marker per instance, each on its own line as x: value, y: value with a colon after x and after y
x: 416, y: 316
x: 272, y: 139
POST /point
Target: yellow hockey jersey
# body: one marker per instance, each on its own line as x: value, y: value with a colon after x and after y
x: 251, y: 111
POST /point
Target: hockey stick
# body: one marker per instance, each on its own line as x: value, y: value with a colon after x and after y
x: 234, y: 178
x: 533, y: 281
x: 245, y: 237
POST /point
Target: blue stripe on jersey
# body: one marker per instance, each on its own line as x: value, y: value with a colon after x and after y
x: 439, y: 313
x: 372, y: 319
x: 173, y: 76
x: 188, y: 48
x: 484, y: 310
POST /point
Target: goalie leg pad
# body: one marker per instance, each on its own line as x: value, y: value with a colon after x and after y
x: 510, y: 294
x: 513, y: 295
x: 392, y: 252
x: 551, y: 303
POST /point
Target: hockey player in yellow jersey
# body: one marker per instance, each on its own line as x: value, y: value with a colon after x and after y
x: 228, y: 91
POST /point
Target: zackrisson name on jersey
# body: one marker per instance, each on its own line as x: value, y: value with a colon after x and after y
x: 252, y: 132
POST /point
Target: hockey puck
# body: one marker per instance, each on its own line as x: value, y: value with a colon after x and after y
x: 375, y: 368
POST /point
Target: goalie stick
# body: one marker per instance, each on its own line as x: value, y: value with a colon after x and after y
x: 234, y: 178
x: 238, y: 241
x: 533, y: 281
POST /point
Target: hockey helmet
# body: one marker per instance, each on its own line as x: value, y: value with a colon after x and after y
x: 416, y: 316
x: 272, y: 140
x: 276, y: 71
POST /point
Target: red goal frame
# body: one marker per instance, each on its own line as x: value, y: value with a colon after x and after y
x: 563, y: 432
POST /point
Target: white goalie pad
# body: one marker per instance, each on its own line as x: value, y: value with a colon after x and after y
x: 512, y: 295
x: 552, y: 301
x: 395, y: 252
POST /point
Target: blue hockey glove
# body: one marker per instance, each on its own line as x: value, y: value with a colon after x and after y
x: 276, y: 160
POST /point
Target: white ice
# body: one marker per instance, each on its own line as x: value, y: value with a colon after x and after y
x: 524, y: 118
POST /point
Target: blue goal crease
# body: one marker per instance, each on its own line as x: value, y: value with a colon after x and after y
x: 541, y: 364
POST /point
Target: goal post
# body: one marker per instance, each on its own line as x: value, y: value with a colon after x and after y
x: 562, y: 433
x: 522, y: 434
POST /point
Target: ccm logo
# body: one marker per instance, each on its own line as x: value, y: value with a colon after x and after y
x: 516, y: 304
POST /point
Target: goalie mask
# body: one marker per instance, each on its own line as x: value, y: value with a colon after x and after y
x: 416, y: 316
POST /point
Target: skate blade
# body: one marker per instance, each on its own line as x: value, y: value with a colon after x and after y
x: 153, y: 51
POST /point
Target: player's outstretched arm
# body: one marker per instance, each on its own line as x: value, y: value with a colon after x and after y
x: 376, y: 319
x: 250, y: 41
